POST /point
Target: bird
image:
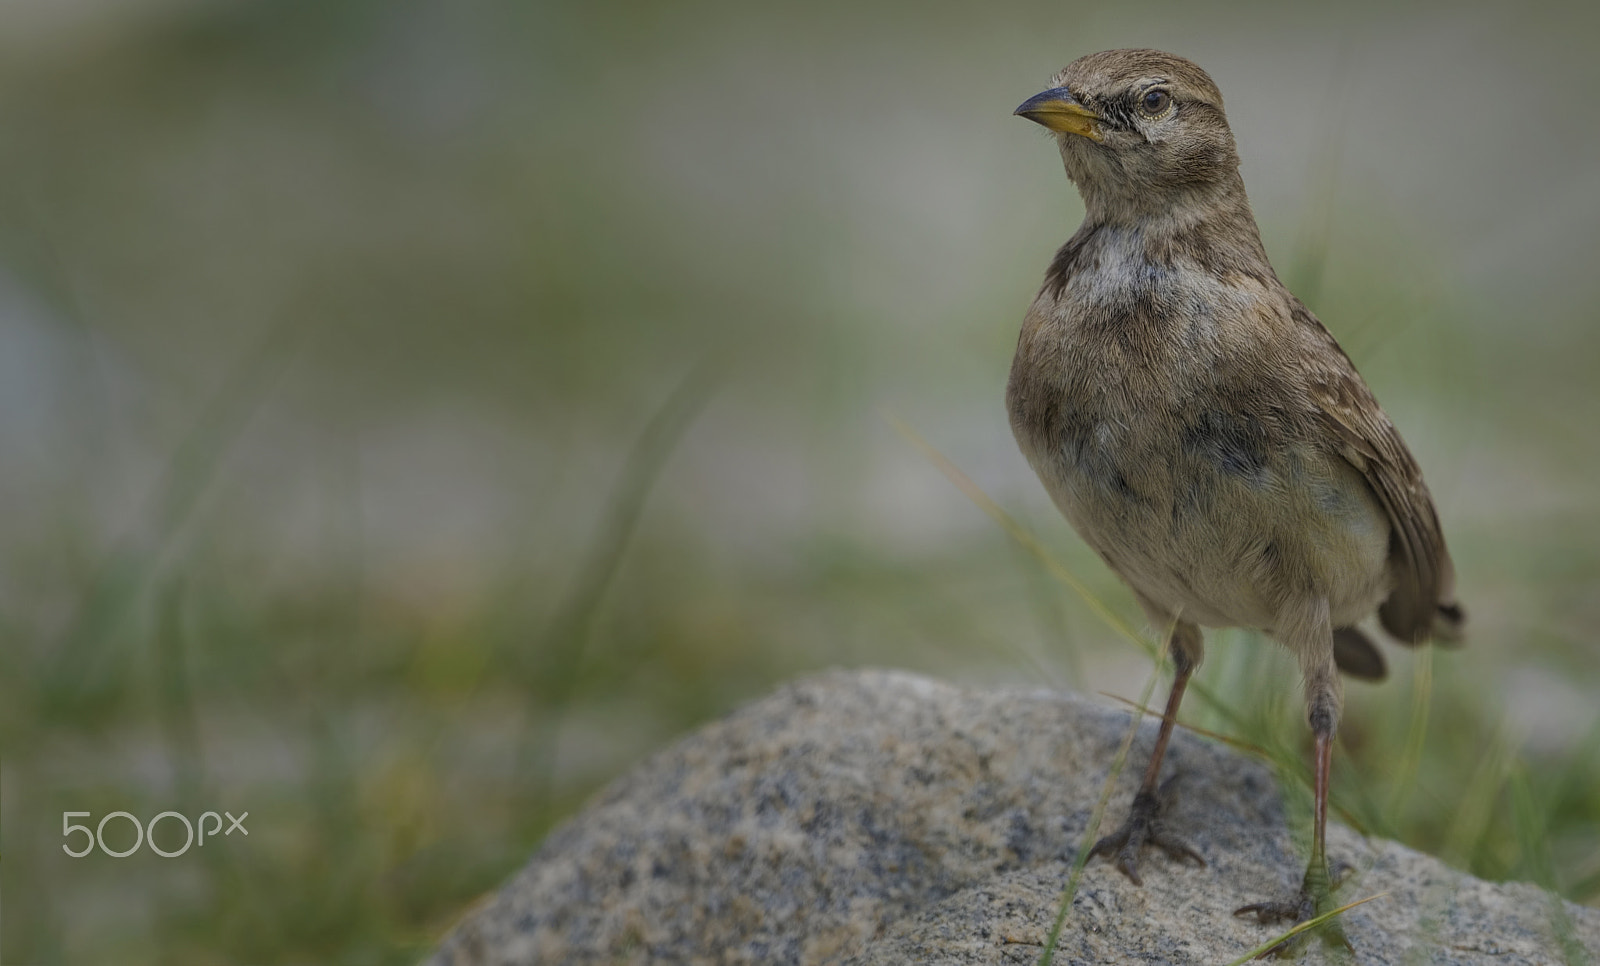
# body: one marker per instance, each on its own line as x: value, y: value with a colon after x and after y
x: 1204, y: 433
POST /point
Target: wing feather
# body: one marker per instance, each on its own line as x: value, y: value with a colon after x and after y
x: 1422, y: 604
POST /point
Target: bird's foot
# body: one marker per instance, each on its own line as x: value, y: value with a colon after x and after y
x: 1314, y: 898
x: 1144, y: 827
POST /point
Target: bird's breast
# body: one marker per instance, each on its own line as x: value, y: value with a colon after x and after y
x: 1194, y: 473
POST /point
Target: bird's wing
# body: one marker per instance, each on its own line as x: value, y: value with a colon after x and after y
x: 1422, y: 604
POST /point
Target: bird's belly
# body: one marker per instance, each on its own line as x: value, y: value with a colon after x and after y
x: 1225, y: 538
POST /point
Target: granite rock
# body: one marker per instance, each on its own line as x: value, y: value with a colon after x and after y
x: 879, y: 817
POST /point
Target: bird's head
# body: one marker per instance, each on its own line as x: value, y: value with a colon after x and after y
x: 1140, y: 132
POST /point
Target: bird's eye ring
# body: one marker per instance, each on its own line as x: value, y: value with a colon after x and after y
x: 1155, y: 102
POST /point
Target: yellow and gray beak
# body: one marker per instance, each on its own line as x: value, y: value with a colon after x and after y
x: 1058, y: 110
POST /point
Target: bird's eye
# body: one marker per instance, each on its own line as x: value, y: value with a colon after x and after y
x: 1154, y: 103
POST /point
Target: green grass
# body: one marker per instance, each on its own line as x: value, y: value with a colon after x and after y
x: 399, y: 763
x: 1091, y: 832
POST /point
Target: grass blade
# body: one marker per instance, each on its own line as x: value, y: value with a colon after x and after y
x: 568, y: 632
x: 76, y: 668
x: 1091, y: 832
x: 1018, y: 533
x: 1229, y: 740
x: 1054, y: 567
x: 1416, y: 735
x: 1270, y: 944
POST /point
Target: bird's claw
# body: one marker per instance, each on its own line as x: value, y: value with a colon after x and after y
x: 1143, y: 827
x: 1301, y: 908
x: 1296, y: 910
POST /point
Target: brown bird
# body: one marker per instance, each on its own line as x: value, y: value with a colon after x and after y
x: 1202, y: 431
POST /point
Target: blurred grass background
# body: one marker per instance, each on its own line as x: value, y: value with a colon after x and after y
x: 413, y: 413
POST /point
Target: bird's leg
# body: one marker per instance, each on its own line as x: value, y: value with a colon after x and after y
x: 1317, y: 885
x: 1323, y: 701
x: 1144, y: 825
x: 1317, y: 879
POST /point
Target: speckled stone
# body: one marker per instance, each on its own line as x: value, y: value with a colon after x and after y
x: 879, y: 817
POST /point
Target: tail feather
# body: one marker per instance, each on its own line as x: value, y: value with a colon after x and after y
x: 1356, y: 655
x: 1449, y: 624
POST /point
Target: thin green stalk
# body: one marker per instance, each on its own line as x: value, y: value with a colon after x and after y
x: 1474, y: 809
x: 1092, y: 831
x: 1416, y: 736
x: 1272, y: 944
x: 569, y: 631
x: 180, y: 720
x: 1529, y: 822
x: 1477, y: 800
x: 1047, y: 611
x: 127, y: 571
x: 1238, y: 744
x: 1016, y: 531
x: 1051, y: 565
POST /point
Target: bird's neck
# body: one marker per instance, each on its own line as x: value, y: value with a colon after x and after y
x: 1135, y: 206
x: 1211, y: 216
x: 1117, y: 251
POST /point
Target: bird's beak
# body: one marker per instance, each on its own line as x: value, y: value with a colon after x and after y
x: 1058, y: 110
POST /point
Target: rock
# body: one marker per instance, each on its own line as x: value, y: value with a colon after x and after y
x: 879, y: 817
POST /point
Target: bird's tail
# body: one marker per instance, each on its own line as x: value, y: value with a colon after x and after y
x: 1449, y: 624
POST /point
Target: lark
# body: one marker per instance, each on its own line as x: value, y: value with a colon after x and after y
x: 1203, y: 432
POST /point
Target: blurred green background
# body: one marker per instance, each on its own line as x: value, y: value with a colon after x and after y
x: 413, y: 413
